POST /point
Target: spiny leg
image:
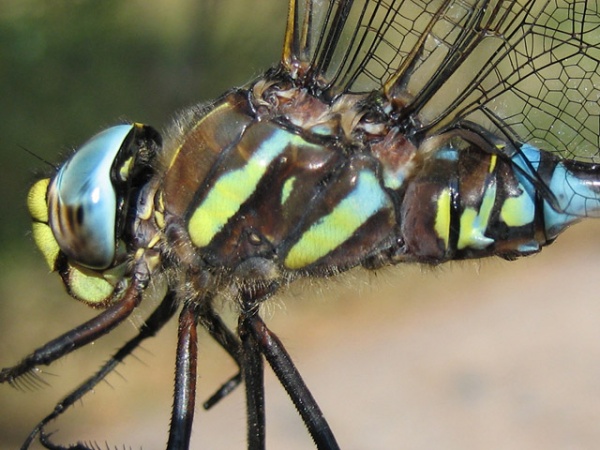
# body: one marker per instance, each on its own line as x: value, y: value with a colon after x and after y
x: 161, y: 315
x: 211, y: 322
x: 226, y: 388
x: 257, y: 339
x: 253, y: 372
x: 184, y: 401
x: 79, y: 336
x: 252, y: 363
x: 228, y: 341
x: 45, y: 440
x: 285, y: 370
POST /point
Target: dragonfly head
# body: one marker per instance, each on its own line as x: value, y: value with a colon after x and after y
x: 80, y: 214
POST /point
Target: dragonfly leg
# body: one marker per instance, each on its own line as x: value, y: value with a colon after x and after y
x: 226, y: 388
x: 253, y: 372
x: 252, y: 367
x: 159, y: 317
x: 280, y: 361
x: 258, y: 340
x: 78, y: 337
x: 228, y: 341
x: 184, y: 401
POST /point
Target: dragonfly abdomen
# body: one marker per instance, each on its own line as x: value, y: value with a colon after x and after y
x: 468, y: 203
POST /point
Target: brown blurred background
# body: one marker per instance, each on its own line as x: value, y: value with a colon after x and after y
x: 475, y: 355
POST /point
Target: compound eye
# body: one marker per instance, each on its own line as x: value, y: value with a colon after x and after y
x: 83, y: 203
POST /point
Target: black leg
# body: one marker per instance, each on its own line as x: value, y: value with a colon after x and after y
x: 226, y: 339
x: 161, y: 315
x: 47, y: 443
x: 82, y: 335
x: 290, y: 378
x: 252, y: 364
x: 226, y: 388
x: 258, y: 340
x: 253, y: 372
x: 185, y: 379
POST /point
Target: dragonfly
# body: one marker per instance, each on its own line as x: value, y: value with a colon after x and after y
x: 390, y: 132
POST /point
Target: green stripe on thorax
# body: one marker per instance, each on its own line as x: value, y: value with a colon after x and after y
x: 332, y: 230
x: 232, y: 188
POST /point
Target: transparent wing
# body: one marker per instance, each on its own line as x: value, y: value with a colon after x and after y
x: 528, y: 66
x: 352, y: 45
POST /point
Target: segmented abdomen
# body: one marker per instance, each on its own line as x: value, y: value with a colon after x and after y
x: 469, y: 203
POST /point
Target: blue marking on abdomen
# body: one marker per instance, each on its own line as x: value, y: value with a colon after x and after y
x: 574, y: 198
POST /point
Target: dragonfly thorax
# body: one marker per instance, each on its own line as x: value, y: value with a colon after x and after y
x: 250, y: 194
x: 351, y: 119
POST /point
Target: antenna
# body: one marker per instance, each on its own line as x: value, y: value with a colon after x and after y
x: 38, y: 157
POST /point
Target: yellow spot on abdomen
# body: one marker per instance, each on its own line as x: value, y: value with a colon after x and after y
x: 518, y: 211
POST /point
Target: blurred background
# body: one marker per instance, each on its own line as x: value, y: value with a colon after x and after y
x: 475, y: 355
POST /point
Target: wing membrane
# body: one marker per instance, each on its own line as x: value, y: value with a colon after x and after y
x: 528, y: 66
x: 352, y: 45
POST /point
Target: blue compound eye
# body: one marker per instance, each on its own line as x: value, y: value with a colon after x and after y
x: 83, y: 202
